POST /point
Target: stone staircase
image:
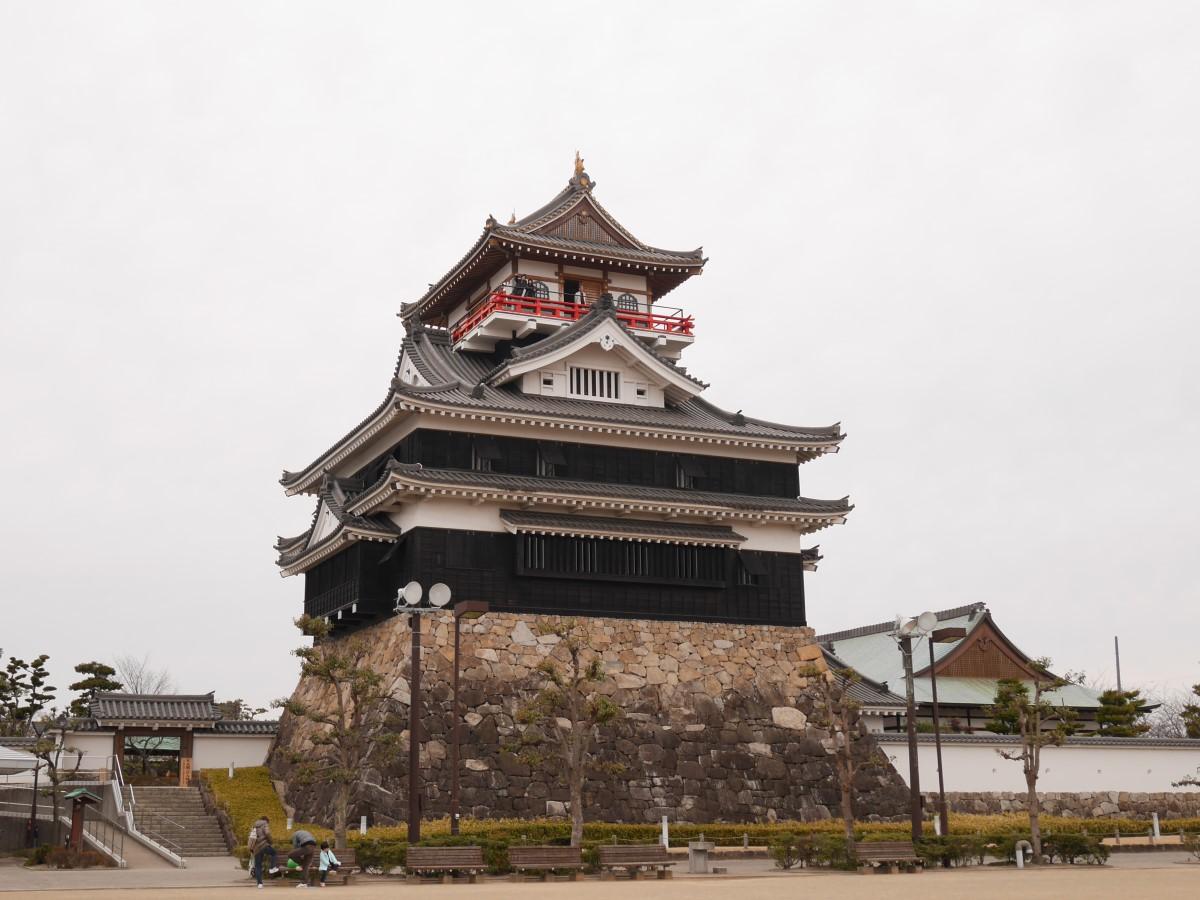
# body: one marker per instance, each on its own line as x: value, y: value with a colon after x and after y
x: 174, y: 817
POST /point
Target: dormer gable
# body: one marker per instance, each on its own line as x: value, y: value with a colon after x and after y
x: 325, y: 523
x: 597, y: 358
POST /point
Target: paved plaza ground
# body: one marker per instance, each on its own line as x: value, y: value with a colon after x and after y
x: 1162, y: 876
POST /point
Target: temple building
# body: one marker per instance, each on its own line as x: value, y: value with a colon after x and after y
x: 967, y: 671
x: 542, y: 447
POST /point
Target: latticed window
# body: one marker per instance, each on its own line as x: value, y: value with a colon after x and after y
x: 627, y: 302
x: 595, y: 383
x: 575, y: 557
x: 540, y: 290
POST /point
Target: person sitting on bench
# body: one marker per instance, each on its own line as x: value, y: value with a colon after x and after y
x: 328, y: 862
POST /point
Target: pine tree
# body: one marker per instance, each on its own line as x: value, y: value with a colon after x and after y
x: 24, y: 692
x: 1191, y: 715
x: 1120, y: 714
x: 1038, y: 723
x: 99, y: 678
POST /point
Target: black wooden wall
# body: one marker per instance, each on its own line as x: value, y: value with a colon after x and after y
x: 487, y: 566
x: 597, y: 462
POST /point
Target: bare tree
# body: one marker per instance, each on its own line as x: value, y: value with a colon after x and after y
x: 1037, y: 723
x: 840, y: 714
x: 353, y: 735
x: 1167, y: 720
x: 561, y: 722
x: 139, y: 677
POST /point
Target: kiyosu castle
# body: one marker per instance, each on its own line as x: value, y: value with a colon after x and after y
x: 543, y: 447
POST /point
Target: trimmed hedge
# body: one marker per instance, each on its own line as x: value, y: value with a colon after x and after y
x: 250, y: 794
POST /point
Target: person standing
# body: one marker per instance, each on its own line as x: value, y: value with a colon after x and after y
x: 304, y: 850
x: 262, y: 846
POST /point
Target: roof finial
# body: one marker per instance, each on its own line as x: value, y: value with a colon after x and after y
x: 512, y: 220
x: 580, y: 179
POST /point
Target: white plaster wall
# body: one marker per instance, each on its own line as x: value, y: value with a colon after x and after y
x: 217, y: 751
x: 538, y: 269
x: 592, y: 356
x: 594, y: 274
x: 97, y: 748
x: 464, y: 515
x: 1068, y: 768
x: 623, y: 281
x: 409, y: 373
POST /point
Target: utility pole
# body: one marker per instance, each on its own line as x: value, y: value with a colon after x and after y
x: 414, y: 732
x: 914, y: 772
x: 1117, y: 651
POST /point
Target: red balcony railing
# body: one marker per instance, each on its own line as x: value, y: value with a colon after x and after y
x: 673, y: 322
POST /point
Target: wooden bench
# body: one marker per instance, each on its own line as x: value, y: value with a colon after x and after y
x: 890, y: 853
x: 348, y: 870
x: 545, y: 860
x: 344, y: 875
x: 446, y: 860
x: 633, y: 858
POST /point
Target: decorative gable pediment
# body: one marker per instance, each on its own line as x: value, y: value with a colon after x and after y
x: 985, y: 653
x: 598, y: 360
x: 324, y: 525
x: 586, y: 222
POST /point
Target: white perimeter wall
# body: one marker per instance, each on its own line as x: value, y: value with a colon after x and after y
x: 217, y: 751
x: 1069, y: 768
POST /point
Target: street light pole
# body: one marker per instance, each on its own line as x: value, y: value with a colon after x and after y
x: 414, y: 731
x: 467, y: 609
x: 914, y: 771
x: 941, y: 636
x: 408, y: 600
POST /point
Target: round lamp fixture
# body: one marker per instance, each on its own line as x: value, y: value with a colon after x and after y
x: 439, y: 595
x: 412, y: 593
x: 927, y: 621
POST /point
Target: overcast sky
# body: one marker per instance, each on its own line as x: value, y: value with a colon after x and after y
x: 965, y: 231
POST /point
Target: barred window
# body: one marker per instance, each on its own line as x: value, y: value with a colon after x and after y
x: 582, y: 557
x: 627, y: 302
x: 595, y: 383
x: 750, y: 570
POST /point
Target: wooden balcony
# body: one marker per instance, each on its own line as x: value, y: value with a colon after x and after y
x: 501, y: 313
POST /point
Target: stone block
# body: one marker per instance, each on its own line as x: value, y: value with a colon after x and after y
x: 789, y: 717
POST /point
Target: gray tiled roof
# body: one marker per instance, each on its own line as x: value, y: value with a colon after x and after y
x: 647, y: 254
x: 115, y: 707
x: 19, y: 743
x: 558, y: 522
x: 456, y: 368
x: 983, y: 738
x: 456, y: 380
x: 333, y: 495
x: 531, y: 484
x: 866, y: 691
x: 245, y: 726
x: 890, y: 626
x: 525, y: 231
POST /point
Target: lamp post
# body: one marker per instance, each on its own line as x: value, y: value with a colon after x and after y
x: 464, y: 609
x: 903, y: 634
x: 941, y: 636
x: 910, y: 720
x: 408, y: 599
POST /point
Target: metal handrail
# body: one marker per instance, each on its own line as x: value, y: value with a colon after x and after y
x: 158, y: 836
x: 672, y: 322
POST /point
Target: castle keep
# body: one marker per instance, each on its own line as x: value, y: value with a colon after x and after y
x: 543, y: 448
